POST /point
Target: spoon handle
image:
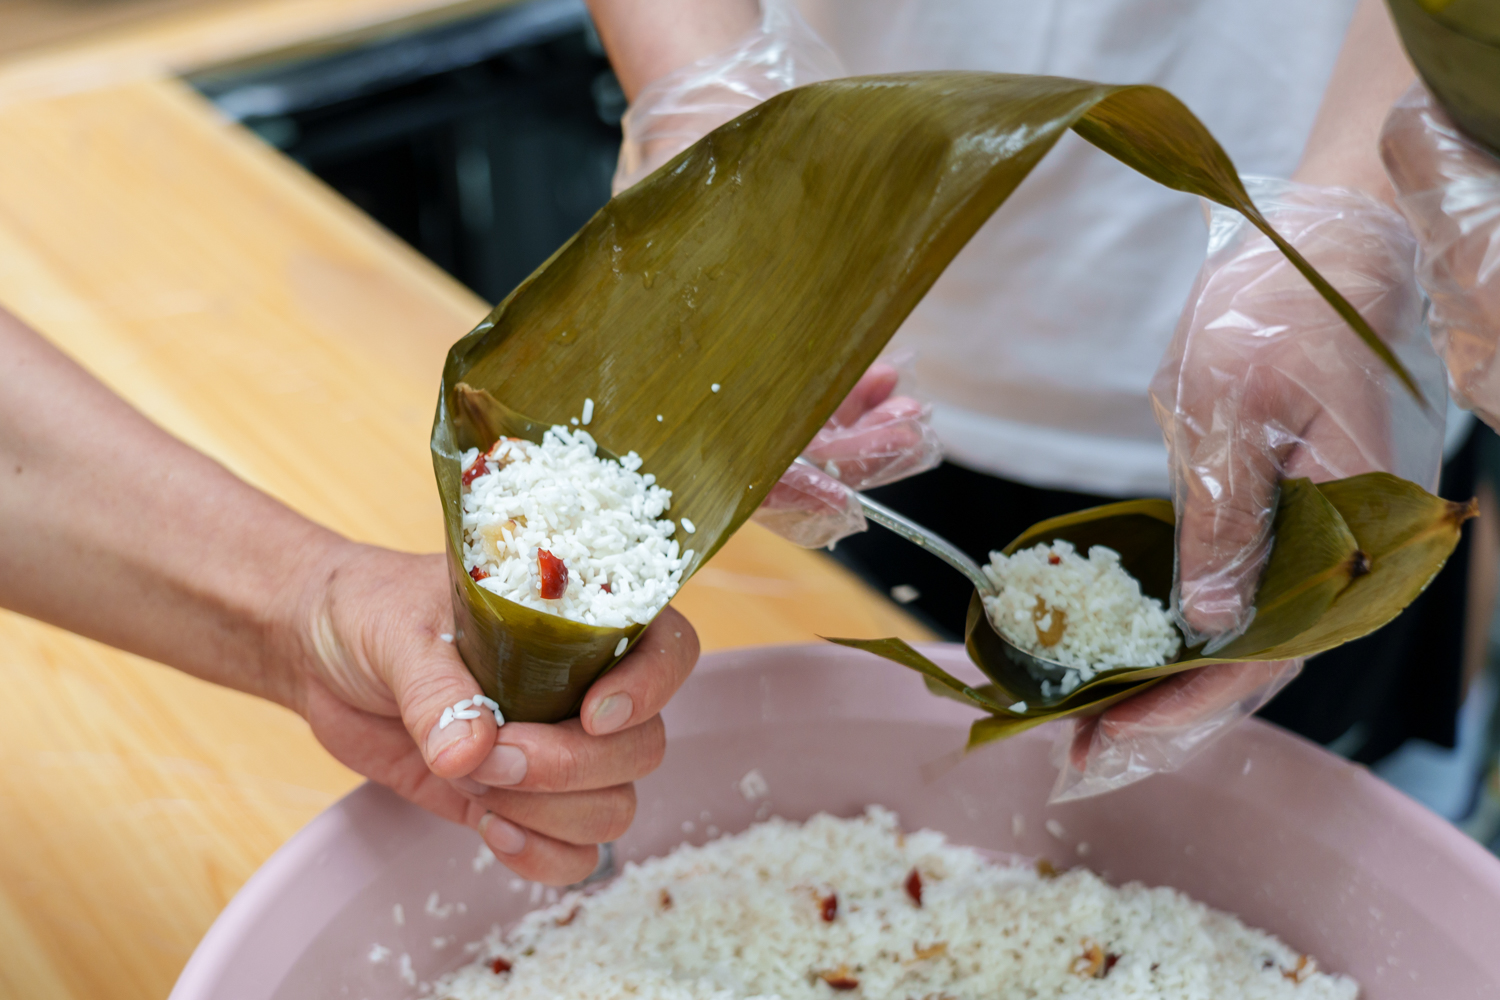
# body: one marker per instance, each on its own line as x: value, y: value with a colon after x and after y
x: 924, y: 537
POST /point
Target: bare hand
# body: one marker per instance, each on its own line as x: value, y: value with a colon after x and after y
x: 372, y: 675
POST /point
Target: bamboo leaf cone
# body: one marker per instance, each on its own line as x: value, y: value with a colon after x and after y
x: 1348, y: 557
x: 775, y: 258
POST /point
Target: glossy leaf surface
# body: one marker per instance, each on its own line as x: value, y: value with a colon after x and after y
x: 772, y: 260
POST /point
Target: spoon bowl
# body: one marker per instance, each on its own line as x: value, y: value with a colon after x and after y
x: 1140, y: 530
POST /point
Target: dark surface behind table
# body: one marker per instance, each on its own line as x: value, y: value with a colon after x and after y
x: 484, y: 144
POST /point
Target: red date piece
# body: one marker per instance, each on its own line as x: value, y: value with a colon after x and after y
x: 480, y: 467
x: 500, y: 965
x: 478, y: 574
x: 914, y: 886
x: 830, y: 907
x: 554, y: 575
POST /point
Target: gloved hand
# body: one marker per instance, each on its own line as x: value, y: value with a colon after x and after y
x: 672, y: 113
x: 1265, y: 382
x: 873, y: 438
x: 1448, y: 187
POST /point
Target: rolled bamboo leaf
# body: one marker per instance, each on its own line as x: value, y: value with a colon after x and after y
x: 1348, y: 557
x: 718, y: 312
x: 1456, y: 48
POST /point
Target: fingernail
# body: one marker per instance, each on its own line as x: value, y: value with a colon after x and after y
x: 506, y: 765
x: 440, y: 739
x: 503, y: 837
x: 612, y: 713
x: 469, y: 786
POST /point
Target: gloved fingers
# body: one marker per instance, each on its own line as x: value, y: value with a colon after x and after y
x: 1177, y: 702
x: 1264, y: 382
x: 1223, y: 540
x: 810, y: 508
x: 890, y: 442
x: 1448, y: 187
x: 873, y: 388
x: 1424, y: 152
x: 1164, y: 727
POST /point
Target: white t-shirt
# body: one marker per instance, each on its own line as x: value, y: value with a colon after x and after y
x: 1037, y: 345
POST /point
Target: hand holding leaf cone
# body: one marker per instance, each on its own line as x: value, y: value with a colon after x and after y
x: 774, y: 258
x: 1349, y: 556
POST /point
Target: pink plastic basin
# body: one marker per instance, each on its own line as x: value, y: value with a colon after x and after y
x: 1264, y: 825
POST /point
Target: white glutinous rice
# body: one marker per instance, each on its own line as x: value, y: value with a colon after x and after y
x: 557, y: 516
x: 1085, y: 613
x: 806, y: 911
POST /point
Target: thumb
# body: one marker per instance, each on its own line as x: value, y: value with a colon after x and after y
x: 1226, y: 506
x: 435, y: 694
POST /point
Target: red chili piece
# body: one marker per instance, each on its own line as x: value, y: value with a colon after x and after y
x: 914, y: 886
x: 554, y: 575
x: 499, y: 965
x: 830, y: 906
x: 479, y: 468
x: 1054, y: 560
x: 478, y: 574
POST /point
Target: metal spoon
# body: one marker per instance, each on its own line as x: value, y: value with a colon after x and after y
x: 1039, y: 667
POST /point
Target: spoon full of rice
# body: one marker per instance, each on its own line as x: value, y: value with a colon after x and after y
x: 1062, y: 615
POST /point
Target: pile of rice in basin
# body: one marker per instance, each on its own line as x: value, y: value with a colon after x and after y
x: 851, y: 907
x: 555, y: 527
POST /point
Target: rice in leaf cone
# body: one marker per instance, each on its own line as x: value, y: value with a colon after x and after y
x: 774, y: 259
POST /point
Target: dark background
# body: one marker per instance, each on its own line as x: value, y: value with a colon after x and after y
x: 484, y: 144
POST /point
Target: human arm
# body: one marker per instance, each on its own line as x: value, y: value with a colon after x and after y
x: 1263, y: 382
x: 647, y: 39
x: 111, y: 528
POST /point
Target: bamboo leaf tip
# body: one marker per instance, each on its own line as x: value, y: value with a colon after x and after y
x: 1458, y: 513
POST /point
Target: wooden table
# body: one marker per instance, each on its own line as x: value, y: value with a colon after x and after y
x: 238, y: 302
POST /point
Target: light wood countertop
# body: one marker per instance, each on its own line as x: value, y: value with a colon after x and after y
x: 238, y: 302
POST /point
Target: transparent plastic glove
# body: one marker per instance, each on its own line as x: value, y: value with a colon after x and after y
x: 1162, y: 728
x: 872, y: 439
x: 1264, y: 382
x: 672, y: 113
x: 1448, y: 187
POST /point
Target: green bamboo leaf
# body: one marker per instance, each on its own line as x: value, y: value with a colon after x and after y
x: 898, y: 651
x: 1406, y: 533
x: 773, y: 260
x: 992, y: 728
x: 1456, y: 48
x: 987, y: 691
x: 1132, y: 125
